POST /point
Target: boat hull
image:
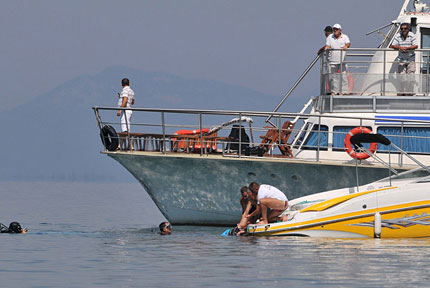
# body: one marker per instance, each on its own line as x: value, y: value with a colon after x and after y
x: 401, y: 221
x: 204, y: 190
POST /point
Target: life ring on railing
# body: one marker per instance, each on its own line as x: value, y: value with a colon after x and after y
x: 191, y: 132
x: 193, y: 143
x: 109, y: 138
x: 348, y: 146
x: 350, y: 83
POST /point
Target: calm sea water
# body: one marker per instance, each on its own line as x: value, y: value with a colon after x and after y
x: 104, y: 235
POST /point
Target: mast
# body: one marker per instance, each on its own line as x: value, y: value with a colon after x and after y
x: 403, y: 10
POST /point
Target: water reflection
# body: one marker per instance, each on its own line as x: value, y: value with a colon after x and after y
x: 199, y: 255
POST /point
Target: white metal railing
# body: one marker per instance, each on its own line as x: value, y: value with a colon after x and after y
x: 368, y: 72
x: 154, y: 130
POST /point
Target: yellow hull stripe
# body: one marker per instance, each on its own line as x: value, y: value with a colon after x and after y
x: 335, y: 201
x: 352, y: 223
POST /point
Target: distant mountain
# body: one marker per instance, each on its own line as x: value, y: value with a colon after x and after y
x: 55, y: 136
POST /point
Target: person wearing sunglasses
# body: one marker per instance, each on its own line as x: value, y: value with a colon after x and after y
x: 406, y: 42
x: 339, y: 43
x: 165, y: 228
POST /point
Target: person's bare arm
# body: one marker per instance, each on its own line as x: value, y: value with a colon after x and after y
x: 123, y: 104
x: 256, y: 211
x: 347, y: 45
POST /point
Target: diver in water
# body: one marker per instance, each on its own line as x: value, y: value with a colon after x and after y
x: 14, y: 227
x: 165, y: 228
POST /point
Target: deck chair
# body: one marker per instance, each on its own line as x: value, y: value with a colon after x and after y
x: 272, y: 137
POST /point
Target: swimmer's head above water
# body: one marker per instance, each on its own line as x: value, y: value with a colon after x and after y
x: 165, y: 228
x: 14, y: 228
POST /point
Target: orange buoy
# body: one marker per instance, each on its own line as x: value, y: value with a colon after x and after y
x: 348, y: 146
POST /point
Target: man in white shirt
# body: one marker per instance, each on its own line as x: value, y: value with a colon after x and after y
x: 336, y: 66
x: 126, y: 99
x: 269, y: 197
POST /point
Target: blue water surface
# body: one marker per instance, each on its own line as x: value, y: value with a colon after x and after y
x: 105, y: 235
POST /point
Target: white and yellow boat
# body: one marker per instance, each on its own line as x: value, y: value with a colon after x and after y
x: 394, y: 207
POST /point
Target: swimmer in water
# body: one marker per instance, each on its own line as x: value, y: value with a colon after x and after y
x: 165, y: 228
x: 14, y: 228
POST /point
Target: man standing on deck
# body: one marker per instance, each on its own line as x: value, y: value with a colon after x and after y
x: 336, y: 66
x: 406, y: 42
x: 126, y: 99
x: 268, y: 197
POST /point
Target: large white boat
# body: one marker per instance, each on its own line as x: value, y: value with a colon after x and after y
x: 193, y: 164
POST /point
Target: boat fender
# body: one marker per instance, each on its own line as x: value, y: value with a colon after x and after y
x: 377, y: 225
x: 348, y: 146
x: 109, y: 137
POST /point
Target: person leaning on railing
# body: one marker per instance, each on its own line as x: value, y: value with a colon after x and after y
x: 406, y: 42
x: 337, y: 40
x: 327, y: 32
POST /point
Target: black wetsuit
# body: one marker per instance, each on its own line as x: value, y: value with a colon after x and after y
x: 14, y: 227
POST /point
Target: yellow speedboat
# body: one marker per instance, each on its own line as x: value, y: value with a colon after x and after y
x: 394, y: 207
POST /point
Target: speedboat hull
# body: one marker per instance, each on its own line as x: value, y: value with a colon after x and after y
x: 404, y: 213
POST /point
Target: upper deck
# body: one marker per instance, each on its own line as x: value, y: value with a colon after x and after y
x: 371, y: 82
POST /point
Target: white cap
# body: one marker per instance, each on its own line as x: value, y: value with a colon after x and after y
x: 337, y: 26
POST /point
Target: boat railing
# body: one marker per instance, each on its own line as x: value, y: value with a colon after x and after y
x: 206, y: 132
x: 367, y: 79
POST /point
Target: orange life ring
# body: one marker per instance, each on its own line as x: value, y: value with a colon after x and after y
x: 348, y: 146
x: 350, y: 82
x: 191, y: 132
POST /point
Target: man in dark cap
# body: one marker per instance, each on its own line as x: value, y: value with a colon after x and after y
x: 327, y: 32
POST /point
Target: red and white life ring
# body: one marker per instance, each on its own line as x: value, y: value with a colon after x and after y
x: 350, y: 83
x: 348, y: 146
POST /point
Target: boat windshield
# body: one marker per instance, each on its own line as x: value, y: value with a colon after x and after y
x: 410, y: 174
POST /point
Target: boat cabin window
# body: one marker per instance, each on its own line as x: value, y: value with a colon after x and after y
x: 339, y: 134
x: 415, y: 139
x: 311, y: 142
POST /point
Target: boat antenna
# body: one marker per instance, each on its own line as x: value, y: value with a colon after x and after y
x: 405, y: 5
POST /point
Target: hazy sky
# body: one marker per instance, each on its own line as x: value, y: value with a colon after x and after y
x: 263, y: 45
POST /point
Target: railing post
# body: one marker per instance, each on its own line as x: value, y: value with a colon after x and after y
x: 240, y: 135
x: 401, y: 144
x: 383, y: 75
x: 318, y: 145
x: 100, y: 124
x: 341, y: 73
x: 428, y: 78
x: 322, y: 78
x: 331, y: 102
x: 280, y: 132
x: 163, y: 124
x: 201, y: 133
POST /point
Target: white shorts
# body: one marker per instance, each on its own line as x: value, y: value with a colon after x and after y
x: 125, y: 125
